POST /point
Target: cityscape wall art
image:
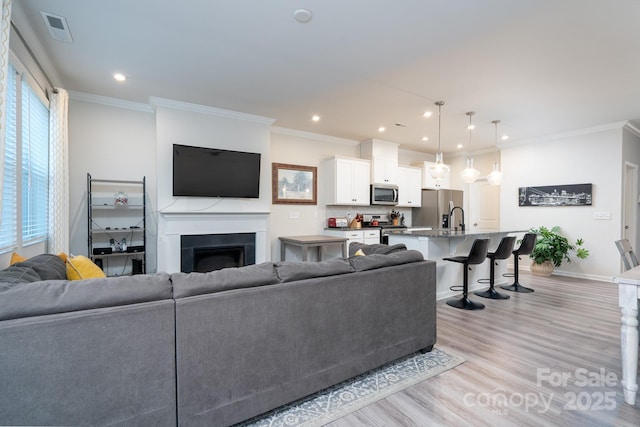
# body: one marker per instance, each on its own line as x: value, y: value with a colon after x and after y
x: 556, y: 195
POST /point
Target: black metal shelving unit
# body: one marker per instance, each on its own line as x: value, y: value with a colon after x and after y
x: 116, y: 225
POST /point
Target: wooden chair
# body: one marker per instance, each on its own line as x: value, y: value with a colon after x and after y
x: 629, y: 258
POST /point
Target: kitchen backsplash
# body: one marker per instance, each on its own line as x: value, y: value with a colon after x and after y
x: 342, y: 211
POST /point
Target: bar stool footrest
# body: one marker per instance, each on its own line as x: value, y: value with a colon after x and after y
x: 456, y: 288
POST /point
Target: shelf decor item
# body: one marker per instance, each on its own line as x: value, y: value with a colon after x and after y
x: 552, y: 249
x: 121, y: 199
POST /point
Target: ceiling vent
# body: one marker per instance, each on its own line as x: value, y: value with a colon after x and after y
x: 57, y: 26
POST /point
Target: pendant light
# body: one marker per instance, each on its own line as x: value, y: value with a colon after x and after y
x: 439, y: 170
x: 470, y: 174
x: 495, y: 177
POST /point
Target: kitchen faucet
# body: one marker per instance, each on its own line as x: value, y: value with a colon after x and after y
x: 451, y: 217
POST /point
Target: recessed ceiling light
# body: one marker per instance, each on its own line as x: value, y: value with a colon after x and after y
x: 315, y: 118
x: 459, y: 146
x: 425, y: 138
x: 427, y: 114
x: 505, y: 137
x: 382, y: 129
x: 119, y: 77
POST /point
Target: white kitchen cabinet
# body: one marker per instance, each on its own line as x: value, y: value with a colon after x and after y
x: 384, y: 160
x: 431, y: 183
x: 345, y: 181
x: 368, y: 236
x: 409, y: 187
x: 384, y: 171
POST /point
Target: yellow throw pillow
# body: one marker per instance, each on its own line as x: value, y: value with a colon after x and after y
x: 16, y: 258
x: 80, y: 267
x: 360, y: 252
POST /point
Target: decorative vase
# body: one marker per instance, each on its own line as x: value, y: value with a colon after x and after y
x: 544, y: 269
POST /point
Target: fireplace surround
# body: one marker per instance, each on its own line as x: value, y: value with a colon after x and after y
x: 172, y: 226
x: 207, y: 252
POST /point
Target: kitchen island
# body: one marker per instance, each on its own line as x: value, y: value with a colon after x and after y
x: 436, y: 244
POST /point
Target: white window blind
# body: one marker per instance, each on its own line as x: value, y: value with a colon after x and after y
x: 35, y: 166
x: 26, y: 166
x: 9, y: 224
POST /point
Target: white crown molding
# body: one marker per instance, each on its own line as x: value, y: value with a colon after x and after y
x: 314, y: 136
x: 570, y: 134
x: 631, y: 127
x: 205, y: 109
x: 111, y: 102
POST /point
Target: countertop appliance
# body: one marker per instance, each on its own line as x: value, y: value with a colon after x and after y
x: 384, y: 194
x: 436, y: 205
x: 382, y: 222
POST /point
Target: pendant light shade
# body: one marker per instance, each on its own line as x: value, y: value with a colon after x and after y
x: 470, y: 174
x: 495, y: 177
x: 439, y: 170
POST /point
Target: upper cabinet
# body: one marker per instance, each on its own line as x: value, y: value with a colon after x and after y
x: 345, y: 181
x: 409, y: 187
x: 384, y: 160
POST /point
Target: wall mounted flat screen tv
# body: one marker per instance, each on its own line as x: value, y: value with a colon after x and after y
x: 211, y: 172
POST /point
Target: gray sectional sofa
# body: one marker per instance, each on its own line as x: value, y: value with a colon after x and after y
x: 205, y: 349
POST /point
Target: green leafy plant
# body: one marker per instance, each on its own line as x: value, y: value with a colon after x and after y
x: 552, y: 246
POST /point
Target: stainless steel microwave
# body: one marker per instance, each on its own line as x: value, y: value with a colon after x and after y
x: 384, y: 194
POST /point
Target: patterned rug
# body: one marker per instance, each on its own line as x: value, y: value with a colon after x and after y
x: 337, y: 401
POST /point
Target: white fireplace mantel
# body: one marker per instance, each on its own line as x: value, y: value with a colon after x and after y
x: 172, y: 225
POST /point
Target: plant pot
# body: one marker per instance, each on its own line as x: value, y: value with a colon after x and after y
x: 545, y: 269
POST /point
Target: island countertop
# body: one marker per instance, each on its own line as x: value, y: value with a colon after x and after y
x: 448, y: 233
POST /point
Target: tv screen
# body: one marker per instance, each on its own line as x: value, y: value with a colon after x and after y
x: 210, y: 172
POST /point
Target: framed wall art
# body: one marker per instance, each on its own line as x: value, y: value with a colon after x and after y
x: 556, y: 195
x: 293, y: 184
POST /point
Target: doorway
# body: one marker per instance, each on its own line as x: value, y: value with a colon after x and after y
x: 484, y: 206
x: 630, y: 203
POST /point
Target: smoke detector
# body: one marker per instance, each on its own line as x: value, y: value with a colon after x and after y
x: 57, y: 26
x: 302, y: 15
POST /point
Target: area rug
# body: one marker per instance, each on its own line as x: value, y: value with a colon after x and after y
x: 337, y: 401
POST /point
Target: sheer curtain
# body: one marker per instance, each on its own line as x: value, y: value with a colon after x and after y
x: 5, y: 28
x: 58, y: 172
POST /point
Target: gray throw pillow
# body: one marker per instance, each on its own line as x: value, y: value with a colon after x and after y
x: 18, y: 274
x: 47, y: 266
x: 376, y: 248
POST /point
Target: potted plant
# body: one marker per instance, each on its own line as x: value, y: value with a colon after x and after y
x: 552, y: 249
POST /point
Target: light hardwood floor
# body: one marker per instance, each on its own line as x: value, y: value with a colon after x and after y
x: 516, y: 352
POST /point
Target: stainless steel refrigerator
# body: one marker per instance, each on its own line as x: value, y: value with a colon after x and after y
x: 436, y: 205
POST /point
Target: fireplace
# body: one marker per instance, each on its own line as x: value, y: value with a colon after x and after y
x: 208, y: 252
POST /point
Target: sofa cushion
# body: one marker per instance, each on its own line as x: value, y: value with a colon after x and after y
x: 18, y: 274
x: 376, y: 248
x: 188, y: 284
x: 60, y: 296
x: 46, y: 266
x: 362, y: 263
x: 289, y: 271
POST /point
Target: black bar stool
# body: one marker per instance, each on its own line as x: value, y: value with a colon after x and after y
x: 526, y: 247
x: 477, y: 255
x: 503, y: 251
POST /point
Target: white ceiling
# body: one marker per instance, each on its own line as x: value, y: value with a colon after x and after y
x: 540, y: 66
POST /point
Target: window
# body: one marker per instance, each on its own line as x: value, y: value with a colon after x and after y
x: 26, y: 165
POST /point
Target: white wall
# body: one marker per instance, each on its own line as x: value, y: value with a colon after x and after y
x: 109, y: 142
x: 590, y: 156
